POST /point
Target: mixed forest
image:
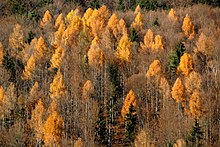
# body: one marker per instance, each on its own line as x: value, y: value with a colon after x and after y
x: 110, y: 73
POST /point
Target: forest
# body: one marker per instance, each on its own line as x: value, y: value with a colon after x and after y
x: 110, y: 73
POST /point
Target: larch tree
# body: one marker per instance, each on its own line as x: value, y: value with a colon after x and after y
x: 70, y: 36
x: 195, y: 104
x: 172, y: 15
x: 193, y: 82
x: 205, y: 45
x: 58, y: 35
x: 129, y: 100
x: 123, y: 29
x: 36, y: 122
x: 148, y: 40
x: 95, y: 54
x: 158, y: 44
x: 178, y: 91
x: 57, y: 87
x: 188, y: 27
x: 46, y: 19
x: 7, y: 100
x: 123, y: 51
x: 143, y: 139
x: 137, y: 24
x: 53, y: 129
x: 29, y: 69
x: 99, y: 19
x: 1, y: 53
x: 87, y: 90
x: 40, y: 50
x: 164, y: 87
x: 180, y: 143
x: 185, y: 65
x: 86, y: 16
x: 78, y: 143
x: 59, y: 21
x: 70, y: 16
x: 137, y: 9
x: 57, y: 57
x: 155, y: 69
x: 113, y: 24
x: 16, y: 40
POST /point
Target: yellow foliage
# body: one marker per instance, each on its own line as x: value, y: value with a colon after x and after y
x: 172, y: 15
x: 143, y: 139
x: 34, y: 90
x: 87, y: 90
x: 148, y: 40
x: 123, y: 51
x: 164, y: 87
x: 158, y: 44
x: 195, y: 104
x: 95, y: 54
x: 53, y: 129
x: 40, y: 50
x: 70, y: 35
x: 7, y: 100
x: 113, y: 24
x: 57, y: 58
x: 155, y: 69
x: 122, y: 26
x: 78, y: 143
x: 178, y: 91
x: 57, y: 87
x: 28, y: 50
x: 86, y: 18
x: 205, y: 45
x: 137, y: 9
x: 29, y: 69
x: 137, y: 24
x: 36, y: 121
x: 98, y: 21
x: 58, y: 35
x: 129, y: 100
x: 59, y: 21
x: 70, y: 16
x: 188, y: 27
x: 16, y: 40
x: 46, y: 19
x: 185, y: 65
x: 1, y: 53
x: 193, y: 82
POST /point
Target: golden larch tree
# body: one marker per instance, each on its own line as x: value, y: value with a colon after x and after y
x: 58, y: 35
x: 205, y: 45
x: 123, y: 51
x: 185, y: 65
x: 57, y: 87
x: 172, y: 15
x: 99, y: 19
x: 59, y: 21
x: 40, y: 50
x: 158, y: 44
x: 71, y: 14
x: 53, y: 129
x: 180, y: 143
x: 87, y: 90
x: 123, y: 28
x: 193, y: 82
x: 113, y: 24
x: 57, y: 58
x: 195, y: 105
x: 155, y: 69
x: 178, y: 91
x: 70, y: 36
x: 129, y: 100
x: 36, y: 122
x: 16, y: 40
x: 164, y: 87
x: 29, y: 69
x: 46, y: 19
x: 1, y: 53
x: 137, y: 24
x: 86, y: 16
x: 7, y: 100
x: 148, y: 40
x: 188, y: 27
x: 95, y: 54
x: 137, y: 9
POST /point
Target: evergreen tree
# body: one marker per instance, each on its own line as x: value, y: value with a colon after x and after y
x: 196, y: 135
